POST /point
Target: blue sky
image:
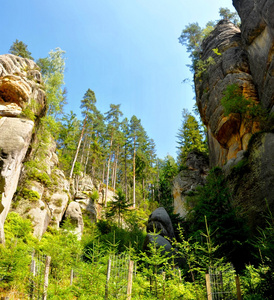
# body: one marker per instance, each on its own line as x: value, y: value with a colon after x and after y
x: 126, y: 51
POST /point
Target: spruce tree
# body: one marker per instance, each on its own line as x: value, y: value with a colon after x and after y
x: 20, y: 49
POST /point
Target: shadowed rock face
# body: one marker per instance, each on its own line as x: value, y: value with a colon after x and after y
x: 257, y: 30
x: 19, y: 86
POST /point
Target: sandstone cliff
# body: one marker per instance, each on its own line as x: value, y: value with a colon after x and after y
x: 20, y: 92
x: 242, y: 146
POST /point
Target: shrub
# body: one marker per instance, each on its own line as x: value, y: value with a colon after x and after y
x: 30, y: 194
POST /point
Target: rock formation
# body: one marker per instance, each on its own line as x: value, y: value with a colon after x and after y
x: 236, y: 142
x: 19, y: 91
x: 227, y: 135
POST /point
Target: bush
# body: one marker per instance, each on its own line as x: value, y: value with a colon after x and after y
x: 30, y: 195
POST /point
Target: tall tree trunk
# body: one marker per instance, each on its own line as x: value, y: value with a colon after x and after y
x: 86, y: 163
x: 103, y: 176
x: 134, y: 154
x: 83, y: 151
x: 78, y: 148
x: 126, y: 174
x: 115, y: 168
x: 108, y: 172
x: 143, y: 187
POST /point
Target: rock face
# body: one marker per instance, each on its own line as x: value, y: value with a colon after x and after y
x: 257, y: 33
x: 251, y: 180
x: 19, y: 90
x: 187, y: 180
x: 227, y: 135
x: 14, y: 141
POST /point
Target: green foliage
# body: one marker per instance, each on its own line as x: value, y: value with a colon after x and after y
x: 203, y: 65
x: 226, y: 14
x: 94, y: 196
x: 167, y: 172
x: 52, y: 69
x: 234, y: 101
x: 193, y: 35
x: 42, y: 177
x: 15, y: 254
x: 214, y: 201
x: 30, y: 194
x: 190, y: 137
x: 118, y: 207
x: 20, y: 49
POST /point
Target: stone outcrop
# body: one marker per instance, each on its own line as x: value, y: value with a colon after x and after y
x: 19, y: 90
x: 187, y: 180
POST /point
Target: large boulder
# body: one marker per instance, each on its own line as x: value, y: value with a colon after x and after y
x: 159, y: 222
x: 160, y: 231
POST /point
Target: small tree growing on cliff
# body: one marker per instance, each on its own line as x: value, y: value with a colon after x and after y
x: 20, y: 49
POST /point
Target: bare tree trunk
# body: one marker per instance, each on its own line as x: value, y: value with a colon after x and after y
x: 83, y: 150
x: 126, y: 192
x: 143, y: 187
x: 86, y: 163
x: 134, y: 154
x: 78, y: 148
x: 103, y: 175
x: 115, y: 168
x: 46, y: 277
x: 108, y: 173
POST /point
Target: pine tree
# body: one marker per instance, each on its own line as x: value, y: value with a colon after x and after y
x: 112, y: 117
x: 190, y: 137
x: 20, y: 49
x: 89, y: 109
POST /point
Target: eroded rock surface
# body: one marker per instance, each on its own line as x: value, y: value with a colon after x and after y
x: 251, y: 180
x: 14, y: 141
x: 257, y: 32
x: 20, y: 86
x: 227, y: 135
